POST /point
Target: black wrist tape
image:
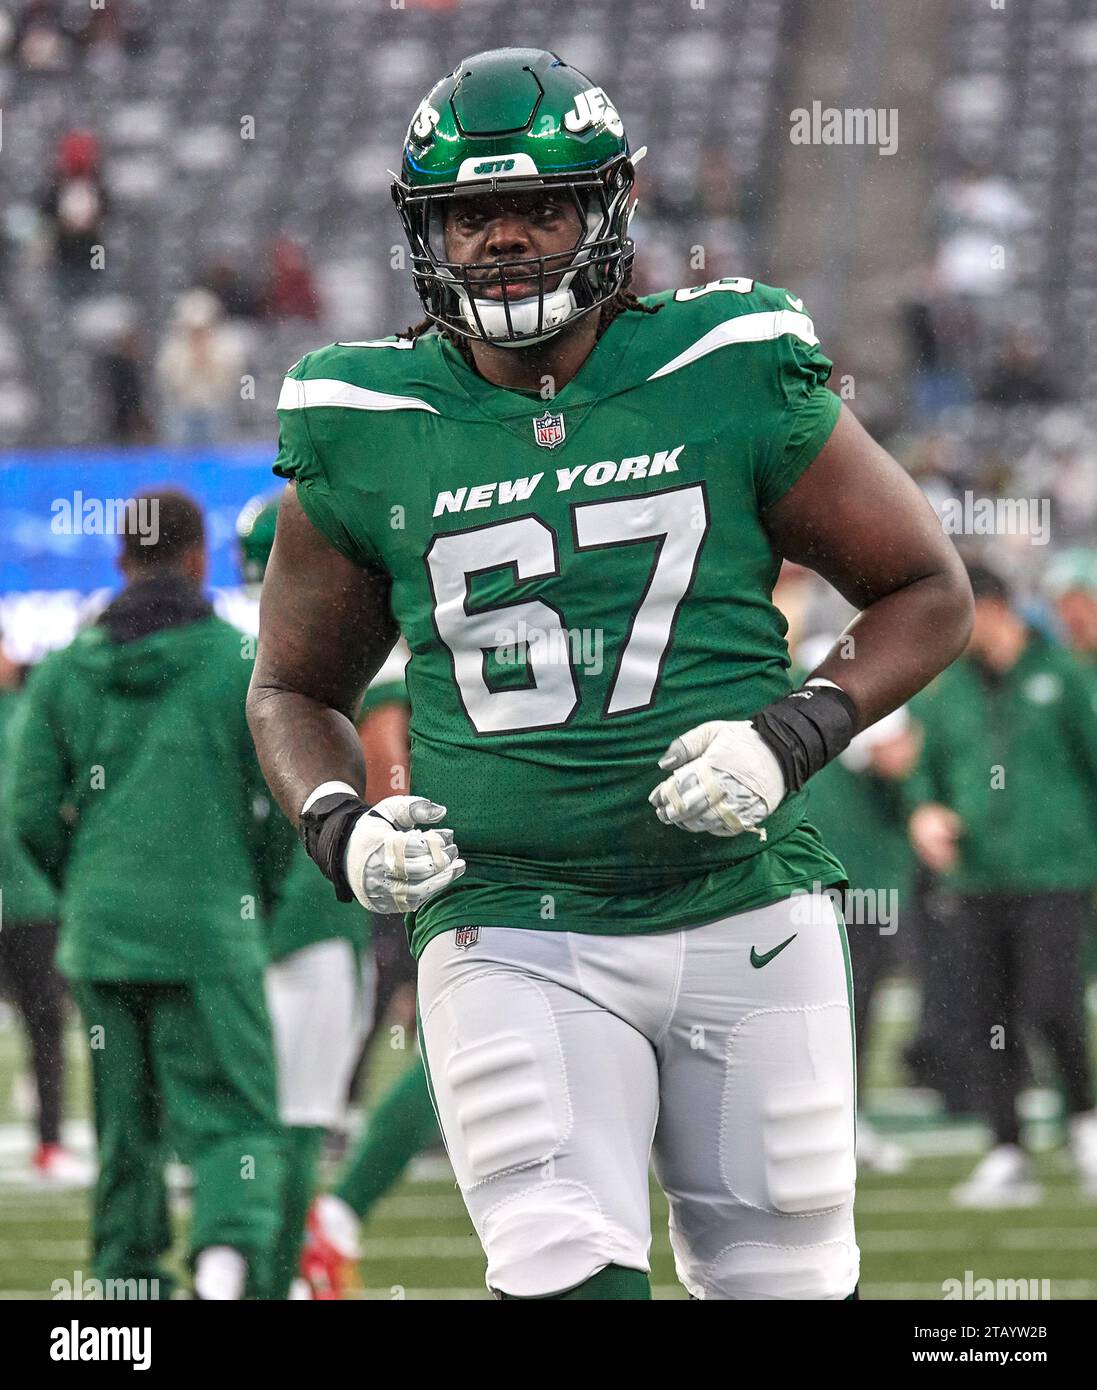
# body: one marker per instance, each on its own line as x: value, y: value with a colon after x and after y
x: 325, y: 829
x: 806, y: 729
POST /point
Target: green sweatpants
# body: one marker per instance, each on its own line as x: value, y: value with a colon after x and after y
x: 187, y: 1067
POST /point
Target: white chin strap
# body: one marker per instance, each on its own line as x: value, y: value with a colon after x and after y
x: 524, y: 316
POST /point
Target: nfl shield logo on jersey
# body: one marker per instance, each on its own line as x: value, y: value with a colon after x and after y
x: 464, y: 937
x: 549, y: 430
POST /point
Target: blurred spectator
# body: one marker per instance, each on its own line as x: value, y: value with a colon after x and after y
x: 124, y: 377
x: 940, y: 336
x: 1007, y: 814
x: 1063, y: 463
x: 112, y: 32
x: 74, y: 209
x: 977, y: 198
x: 198, y: 372
x: 978, y: 212
x: 933, y: 461
x: 1019, y: 374
x: 289, y: 291
x: 41, y: 43
x: 1071, y: 581
x: 233, y: 289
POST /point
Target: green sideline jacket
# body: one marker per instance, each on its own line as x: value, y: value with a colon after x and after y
x: 27, y: 895
x: 1015, y: 757
x: 137, y: 791
x: 863, y: 820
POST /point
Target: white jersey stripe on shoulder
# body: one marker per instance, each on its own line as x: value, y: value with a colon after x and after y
x: 747, y: 328
x: 300, y: 395
x: 406, y: 343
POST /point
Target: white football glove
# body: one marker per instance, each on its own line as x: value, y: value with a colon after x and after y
x: 725, y: 780
x: 394, y: 867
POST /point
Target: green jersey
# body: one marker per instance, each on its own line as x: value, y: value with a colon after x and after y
x: 580, y: 578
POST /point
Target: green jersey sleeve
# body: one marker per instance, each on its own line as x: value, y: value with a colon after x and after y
x: 810, y: 411
x: 301, y: 462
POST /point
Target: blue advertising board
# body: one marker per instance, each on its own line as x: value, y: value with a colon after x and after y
x: 56, y: 505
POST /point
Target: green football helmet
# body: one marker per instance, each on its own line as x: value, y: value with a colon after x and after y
x: 255, y: 534
x: 517, y: 120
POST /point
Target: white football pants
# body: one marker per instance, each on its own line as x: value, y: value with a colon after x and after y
x: 320, y: 1001
x: 561, y: 1062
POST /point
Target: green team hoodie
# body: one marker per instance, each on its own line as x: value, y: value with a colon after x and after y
x: 137, y: 791
x: 1015, y: 756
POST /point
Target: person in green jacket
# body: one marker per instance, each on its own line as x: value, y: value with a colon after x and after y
x: 136, y: 790
x: 28, y: 941
x: 1007, y: 786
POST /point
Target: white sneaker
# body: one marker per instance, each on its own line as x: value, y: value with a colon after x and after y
x: 876, y: 1154
x: 1083, y: 1145
x: 60, y: 1167
x: 1002, y: 1178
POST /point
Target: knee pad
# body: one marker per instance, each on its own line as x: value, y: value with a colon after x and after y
x: 551, y: 1237
x: 827, y: 1270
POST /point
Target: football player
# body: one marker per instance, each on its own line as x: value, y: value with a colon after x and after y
x: 573, y: 504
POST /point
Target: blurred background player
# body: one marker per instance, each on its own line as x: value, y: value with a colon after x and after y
x: 136, y: 791
x: 28, y: 940
x: 321, y: 993
x: 1008, y: 789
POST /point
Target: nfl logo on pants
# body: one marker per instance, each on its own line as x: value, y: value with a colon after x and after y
x: 464, y: 937
x: 548, y: 430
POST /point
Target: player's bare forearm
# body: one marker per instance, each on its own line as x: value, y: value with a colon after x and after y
x: 325, y: 628
x: 899, y: 643
x: 857, y: 518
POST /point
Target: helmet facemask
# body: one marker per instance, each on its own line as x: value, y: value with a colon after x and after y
x: 586, y: 275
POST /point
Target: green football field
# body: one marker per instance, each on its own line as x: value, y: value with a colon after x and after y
x: 420, y: 1244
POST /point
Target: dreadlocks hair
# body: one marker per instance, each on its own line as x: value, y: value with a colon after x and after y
x: 624, y: 301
